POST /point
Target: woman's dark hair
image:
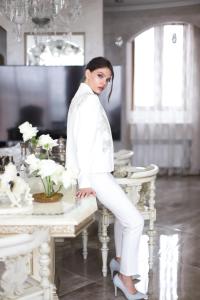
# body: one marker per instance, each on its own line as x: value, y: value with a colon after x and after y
x: 101, y: 62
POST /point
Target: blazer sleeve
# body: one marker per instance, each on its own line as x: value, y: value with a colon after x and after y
x: 86, y: 130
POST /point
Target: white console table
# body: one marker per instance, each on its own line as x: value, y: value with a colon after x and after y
x: 68, y: 224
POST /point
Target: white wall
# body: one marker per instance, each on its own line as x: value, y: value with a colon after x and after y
x: 128, y: 24
x: 90, y: 22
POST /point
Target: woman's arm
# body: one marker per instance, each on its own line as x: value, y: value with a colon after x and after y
x: 86, y: 130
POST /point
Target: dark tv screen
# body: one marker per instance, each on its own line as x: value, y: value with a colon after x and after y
x: 42, y: 95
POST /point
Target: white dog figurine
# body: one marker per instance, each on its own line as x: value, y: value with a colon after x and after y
x: 15, y: 187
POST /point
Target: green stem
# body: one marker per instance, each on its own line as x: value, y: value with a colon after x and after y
x: 50, y: 186
x: 47, y: 184
x: 58, y: 190
x: 45, y: 189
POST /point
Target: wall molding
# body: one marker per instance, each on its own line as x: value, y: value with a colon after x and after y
x: 128, y: 6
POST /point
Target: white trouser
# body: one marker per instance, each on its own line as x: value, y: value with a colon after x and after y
x: 128, y: 223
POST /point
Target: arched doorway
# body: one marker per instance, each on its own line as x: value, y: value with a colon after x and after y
x: 166, y: 134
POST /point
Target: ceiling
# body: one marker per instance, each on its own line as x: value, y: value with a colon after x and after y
x: 127, y: 5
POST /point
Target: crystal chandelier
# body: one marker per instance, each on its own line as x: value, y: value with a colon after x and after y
x: 40, y: 15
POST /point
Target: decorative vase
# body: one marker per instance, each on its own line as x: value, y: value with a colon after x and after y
x: 43, y: 198
x: 38, y: 151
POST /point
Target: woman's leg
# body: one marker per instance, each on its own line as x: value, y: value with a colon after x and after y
x: 113, y: 197
x: 118, y: 236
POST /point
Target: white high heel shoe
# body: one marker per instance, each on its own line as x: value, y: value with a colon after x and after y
x: 115, y: 267
x: 119, y: 284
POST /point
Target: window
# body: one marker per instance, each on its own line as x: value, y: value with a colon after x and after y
x: 159, y: 68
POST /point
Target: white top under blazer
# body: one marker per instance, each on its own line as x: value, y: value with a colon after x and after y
x: 89, y: 139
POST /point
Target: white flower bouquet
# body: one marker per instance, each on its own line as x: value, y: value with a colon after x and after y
x: 52, y: 174
x: 45, y: 142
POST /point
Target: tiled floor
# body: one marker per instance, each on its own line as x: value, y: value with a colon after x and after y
x: 176, y: 268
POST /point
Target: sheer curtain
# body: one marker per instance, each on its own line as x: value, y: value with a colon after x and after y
x: 165, y: 121
x: 194, y: 97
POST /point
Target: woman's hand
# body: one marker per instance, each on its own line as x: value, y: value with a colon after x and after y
x: 85, y: 192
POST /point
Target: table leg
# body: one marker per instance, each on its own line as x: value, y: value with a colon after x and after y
x: 47, y: 269
x: 151, y: 246
x: 45, y: 272
x: 152, y: 219
x: 104, y: 238
x: 85, y: 243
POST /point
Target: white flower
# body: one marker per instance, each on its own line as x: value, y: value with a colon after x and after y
x: 67, y: 179
x: 56, y: 177
x: 47, y: 167
x: 28, y: 131
x: 33, y: 162
x: 46, y: 142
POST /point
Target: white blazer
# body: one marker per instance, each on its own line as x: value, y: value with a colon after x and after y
x: 89, y: 139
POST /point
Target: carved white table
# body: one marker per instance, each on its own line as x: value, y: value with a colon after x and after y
x: 69, y: 224
x: 139, y: 185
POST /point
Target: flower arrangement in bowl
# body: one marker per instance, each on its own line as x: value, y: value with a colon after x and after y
x: 53, y: 175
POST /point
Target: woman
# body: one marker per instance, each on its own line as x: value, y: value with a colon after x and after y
x: 90, y: 155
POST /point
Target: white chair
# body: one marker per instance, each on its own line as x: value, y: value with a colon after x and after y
x: 16, y: 279
x: 122, y: 158
x: 139, y: 184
